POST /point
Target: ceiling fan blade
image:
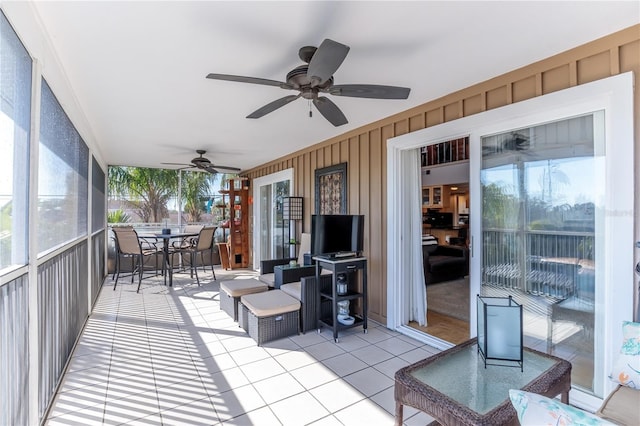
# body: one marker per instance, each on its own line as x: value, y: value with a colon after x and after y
x: 254, y: 80
x: 232, y: 169
x: 272, y: 106
x: 326, y: 60
x: 372, y: 91
x: 330, y: 111
x: 177, y: 164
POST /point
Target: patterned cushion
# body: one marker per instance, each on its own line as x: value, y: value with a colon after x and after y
x: 536, y: 410
x: 631, y: 338
x: 626, y: 367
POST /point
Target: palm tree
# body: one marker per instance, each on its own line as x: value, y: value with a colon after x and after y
x: 196, y: 187
x: 145, y: 189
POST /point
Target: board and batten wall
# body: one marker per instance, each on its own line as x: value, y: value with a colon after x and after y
x: 364, y: 149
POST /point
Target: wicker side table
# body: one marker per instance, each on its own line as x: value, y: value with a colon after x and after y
x: 455, y: 389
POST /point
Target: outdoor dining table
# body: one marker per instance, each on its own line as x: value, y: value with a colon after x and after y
x: 165, y: 249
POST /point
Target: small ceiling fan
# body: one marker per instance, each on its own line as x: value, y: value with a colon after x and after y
x: 204, y: 163
x: 317, y: 77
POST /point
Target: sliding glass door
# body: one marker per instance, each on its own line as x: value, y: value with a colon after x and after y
x: 542, y: 221
x: 270, y: 232
x: 551, y: 186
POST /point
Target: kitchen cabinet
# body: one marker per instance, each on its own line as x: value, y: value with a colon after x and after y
x: 435, y: 197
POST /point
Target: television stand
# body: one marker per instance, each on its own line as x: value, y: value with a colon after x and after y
x: 338, y: 255
x: 329, y: 297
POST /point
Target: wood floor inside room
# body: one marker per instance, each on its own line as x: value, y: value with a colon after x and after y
x: 444, y: 327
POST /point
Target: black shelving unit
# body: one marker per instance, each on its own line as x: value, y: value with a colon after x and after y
x: 354, y: 268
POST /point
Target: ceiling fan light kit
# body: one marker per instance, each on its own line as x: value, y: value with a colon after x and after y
x: 317, y: 77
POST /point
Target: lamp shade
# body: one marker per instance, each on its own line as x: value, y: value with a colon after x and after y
x: 500, y: 331
x: 292, y: 208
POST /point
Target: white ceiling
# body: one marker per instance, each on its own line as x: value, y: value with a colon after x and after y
x: 138, y: 68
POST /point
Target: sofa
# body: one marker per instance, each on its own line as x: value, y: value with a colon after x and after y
x: 444, y: 262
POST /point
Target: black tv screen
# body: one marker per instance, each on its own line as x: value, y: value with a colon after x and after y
x: 337, y: 233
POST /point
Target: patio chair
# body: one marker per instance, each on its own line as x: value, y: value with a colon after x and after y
x: 129, y: 244
x: 187, y: 241
x: 198, y: 245
x: 272, y: 278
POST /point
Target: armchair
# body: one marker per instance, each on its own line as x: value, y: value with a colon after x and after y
x: 444, y: 263
x: 274, y: 275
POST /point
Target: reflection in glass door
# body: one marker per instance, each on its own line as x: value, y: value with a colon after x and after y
x: 541, y: 222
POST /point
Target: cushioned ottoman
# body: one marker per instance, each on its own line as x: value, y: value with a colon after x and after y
x: 269, y: 316
x: 231, y: 291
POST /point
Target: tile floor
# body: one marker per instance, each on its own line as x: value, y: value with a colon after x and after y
x: 170, y: 356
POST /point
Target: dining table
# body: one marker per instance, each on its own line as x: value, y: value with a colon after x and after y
x: 165, y: 249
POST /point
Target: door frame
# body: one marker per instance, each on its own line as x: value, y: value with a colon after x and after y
x: 613, y: 95
x: 258, y: 209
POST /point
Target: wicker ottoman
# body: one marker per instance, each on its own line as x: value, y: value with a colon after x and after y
x: 231, y: 291
x: 269, y: 316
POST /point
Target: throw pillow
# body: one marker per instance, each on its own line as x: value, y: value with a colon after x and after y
x: 430, y: 243
x: 630, y: 338
x: 535, y: 410
x: 626, y: 367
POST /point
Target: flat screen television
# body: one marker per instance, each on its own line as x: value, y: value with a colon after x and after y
x: 337, y: 234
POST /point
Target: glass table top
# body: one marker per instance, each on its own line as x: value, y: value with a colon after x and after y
x: 462, y: 377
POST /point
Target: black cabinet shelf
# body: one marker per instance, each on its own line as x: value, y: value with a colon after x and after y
x: 328, y: 297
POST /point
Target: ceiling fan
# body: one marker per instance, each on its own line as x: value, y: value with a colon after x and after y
x: 317, y: 77
x: 204, y: 163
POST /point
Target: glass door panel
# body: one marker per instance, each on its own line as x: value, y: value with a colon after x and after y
x: 273, y: 230
x: 540, y: 224
x: 265, y: 222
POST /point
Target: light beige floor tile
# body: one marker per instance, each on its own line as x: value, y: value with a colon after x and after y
x: 193, y: 413
x: 307, y: 339
x: 327, y: 421
x: 372, y: 354
x: 88, y: 398
x: 133, y: 407
x: 313, y: 375
x: 369, y: 381
x: 249, y: 355
x: 261, y: 416
x: 336, y: 395
x: 351, y: 342
x: 238, y: 342
x: 182, y: 393
x: 415, y: 355
x: 262, y: 369
x: 344, y: 364
x: 396, y: 346
x: 86, y: 377
x: 91, y: 416
x: 391, y: 366
x: 364, y: 412
x: 386, y: 399
x: 278, y: 387
x: 223, y: 381
x: 300, y: 409
x: 419, y: 419
x: 214, y: 364
x: 280, y: 346
x: 292, y: 360
x: 324, y: 350
x: 236, y: 402
x: 375, y: 335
